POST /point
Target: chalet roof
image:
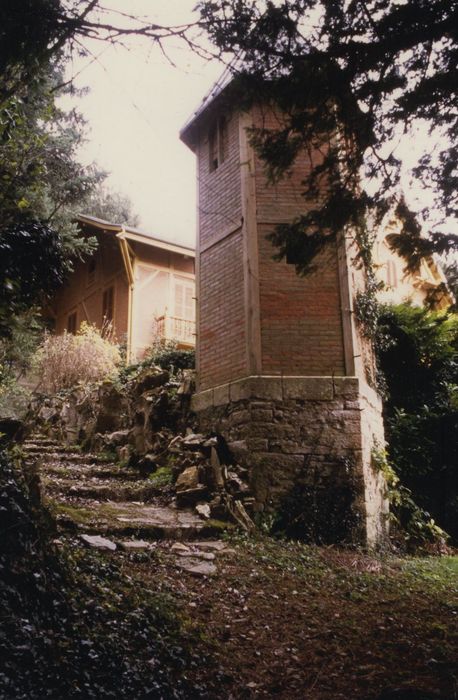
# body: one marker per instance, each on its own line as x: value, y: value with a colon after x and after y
x: 135, y: 235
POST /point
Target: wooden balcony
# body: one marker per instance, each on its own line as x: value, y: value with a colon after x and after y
x: 180, y: 330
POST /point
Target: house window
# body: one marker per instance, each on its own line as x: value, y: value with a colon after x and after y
x: 108, y: 305
x: 71, y: 323
x: 391, y: 274
x: 92, y: 265
x: 184, y: 301
x: 218, y: 143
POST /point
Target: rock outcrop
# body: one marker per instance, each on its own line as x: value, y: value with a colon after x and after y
x: 145, y: 425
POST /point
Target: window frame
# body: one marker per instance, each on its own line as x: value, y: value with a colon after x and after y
x: 72, y: 322
x: 218, y: 143
x: 108, y: 294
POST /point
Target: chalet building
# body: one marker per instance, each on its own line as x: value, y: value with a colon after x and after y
x: 139, y: 285
x: 426, y: 285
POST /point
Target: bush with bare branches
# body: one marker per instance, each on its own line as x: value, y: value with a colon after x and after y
x: 62, y: 361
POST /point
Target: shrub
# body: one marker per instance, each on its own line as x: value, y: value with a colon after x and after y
x: 418, y: 355
x: 168, y: 356
x: 65, y: 360
x: 161, y: 354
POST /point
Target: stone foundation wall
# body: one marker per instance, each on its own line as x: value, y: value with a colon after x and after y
x: 307, y: 443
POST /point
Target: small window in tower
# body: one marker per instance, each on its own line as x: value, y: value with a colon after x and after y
x: 218, y: 143
x: 223, y: 139
x: 108, y: 305
x: 92, y: 265
x: 213, y: 148
x: 71, y: 323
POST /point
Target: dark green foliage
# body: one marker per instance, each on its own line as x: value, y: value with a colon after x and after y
x: 421, y: 348
x: 172, y: 358
x: 32, y: 264
x: 423, y: 446
x: 41, y: 181
x: 27, y: 30
x: 103, y: 203
x: 350, y: 78
x: 418, y: 355
x: 317, y: 515
x: 166, y: 356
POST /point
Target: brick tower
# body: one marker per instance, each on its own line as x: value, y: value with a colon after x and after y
x: 281, y: 366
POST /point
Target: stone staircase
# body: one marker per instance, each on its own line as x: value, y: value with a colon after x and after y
x: 111, y: 507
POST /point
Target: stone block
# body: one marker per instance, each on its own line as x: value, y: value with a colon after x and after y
x: 308, y: 388
x: 258, y: 387
x: 189, y: 479
x: 268, y: 388
x: 202, y: 400
x: 346, y: 387
x: 287, y: 447
x: 257, y: 444
x: 240, y: 417
x: 261, y: 415
x: 221, y: 395
x: 261, y: 405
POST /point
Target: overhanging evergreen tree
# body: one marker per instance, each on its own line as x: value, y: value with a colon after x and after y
x: 365, y: 70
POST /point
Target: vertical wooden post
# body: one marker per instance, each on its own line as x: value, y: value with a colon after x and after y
x: 250, y: 248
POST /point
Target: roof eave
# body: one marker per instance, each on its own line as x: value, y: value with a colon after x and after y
x: 188, y: 133
x: 132, y: 234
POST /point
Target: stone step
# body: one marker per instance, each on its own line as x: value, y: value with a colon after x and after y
x: 147, y: 522
x: 100, y: 489
x: 91, y: 471
x: 40, y: 440
x: 45, y: 449
x: 71, y: 457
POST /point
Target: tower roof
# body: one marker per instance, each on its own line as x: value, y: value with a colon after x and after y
x: 218, y: 92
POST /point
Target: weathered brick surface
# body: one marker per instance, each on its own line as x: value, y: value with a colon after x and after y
x: 301, y: 325
x: 221, y: 335
x: 283, y: 200
x: 219, y: 192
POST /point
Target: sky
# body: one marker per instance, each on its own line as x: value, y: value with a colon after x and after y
x: 135, y: 106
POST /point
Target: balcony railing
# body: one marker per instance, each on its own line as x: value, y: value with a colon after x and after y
x: 179, y: 329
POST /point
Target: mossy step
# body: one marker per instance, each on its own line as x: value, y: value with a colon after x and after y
x: 150, y: 522
x: 91, y: 471
x: 72, y: 457
x: 101, y: 490
x: 41, y: 440
x: 48, y: 447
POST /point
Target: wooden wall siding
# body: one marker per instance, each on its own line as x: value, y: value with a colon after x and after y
x: 163, y: 258
x: 154, y: 298
x: 84, y: 292
x: 219, y: 196
x: 85, y: 296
